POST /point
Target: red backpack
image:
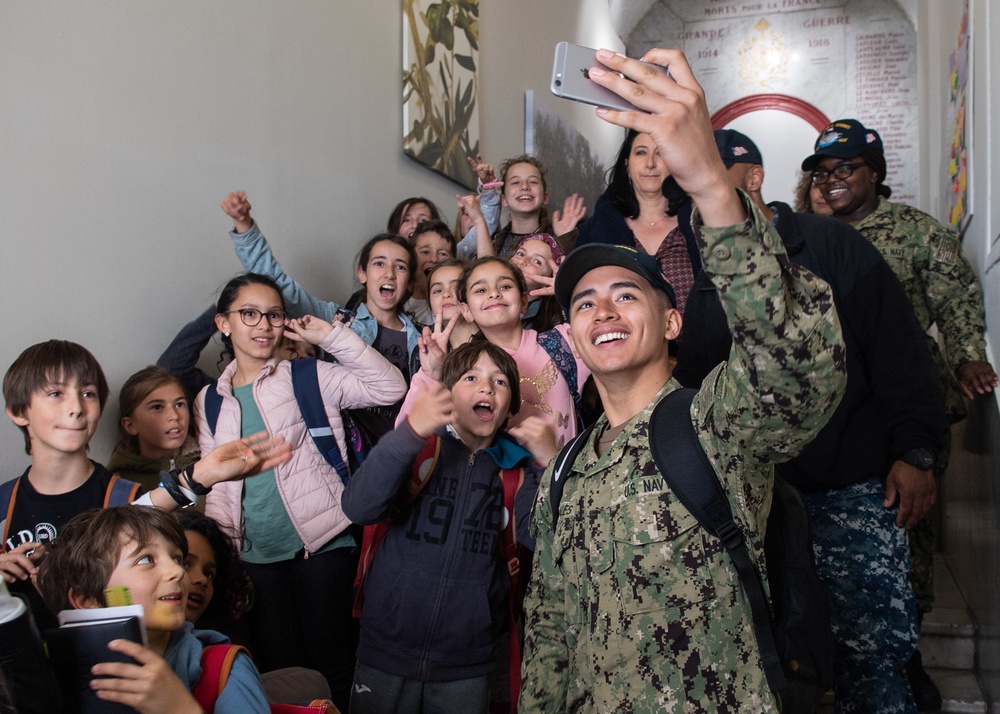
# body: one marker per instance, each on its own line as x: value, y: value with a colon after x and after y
x: 216, y: 664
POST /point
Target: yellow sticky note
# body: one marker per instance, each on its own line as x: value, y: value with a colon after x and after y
x: 118, y: 596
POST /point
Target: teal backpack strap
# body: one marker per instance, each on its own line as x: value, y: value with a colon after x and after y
x: 305, y: 385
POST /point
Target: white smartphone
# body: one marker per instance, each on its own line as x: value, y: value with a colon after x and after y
x: 570, y: 78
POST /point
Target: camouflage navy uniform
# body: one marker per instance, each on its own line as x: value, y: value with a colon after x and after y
x: 944, y: 291
x: 632, y: 606
x: 864, y: 562
x: 941, y: 285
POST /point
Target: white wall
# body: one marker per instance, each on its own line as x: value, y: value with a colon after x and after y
x: 938, y: 24
x: 971, y: 499
x: 783, y: 140
x: 124, y: 124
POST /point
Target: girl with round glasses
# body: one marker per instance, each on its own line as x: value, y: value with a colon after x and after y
x: 293, y: 534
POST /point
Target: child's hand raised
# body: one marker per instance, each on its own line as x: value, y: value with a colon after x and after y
x: 150, y: 686
x: 236, y: 206
x: 431, y: 411
x: 548, y: 282
x: 309, y: 329
x: 572, y: 213
x: 19, y: 563
x: 242, y: 457
x: 469, y: 205
x: 483, y: 170
x: 433, y: 346
x: 537, y: 436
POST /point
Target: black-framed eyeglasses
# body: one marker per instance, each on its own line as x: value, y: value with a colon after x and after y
x: 252, y: 318
x: 821, y: 176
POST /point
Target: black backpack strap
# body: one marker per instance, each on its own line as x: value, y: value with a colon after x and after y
x: 682, y: 461
x: 305, y: 385
x: 213, y: 405
x: 564, y: 469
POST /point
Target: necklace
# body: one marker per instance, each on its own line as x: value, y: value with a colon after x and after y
x: 654, y: 223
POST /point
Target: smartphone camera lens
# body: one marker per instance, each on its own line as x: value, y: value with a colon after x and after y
x: 558, y: 80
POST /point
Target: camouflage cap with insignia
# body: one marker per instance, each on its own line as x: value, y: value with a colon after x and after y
x: 844, y: 139
x: 595, y: 255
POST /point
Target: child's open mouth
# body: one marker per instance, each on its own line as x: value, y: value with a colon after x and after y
x: 387, y: 291
x: 483, y: 411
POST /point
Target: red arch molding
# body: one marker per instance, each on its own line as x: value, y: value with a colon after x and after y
x: 781, y: 102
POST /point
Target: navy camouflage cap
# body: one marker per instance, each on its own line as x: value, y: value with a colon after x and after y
x: 737, y: 148
x: 844, y: 139
x: 595, y: 255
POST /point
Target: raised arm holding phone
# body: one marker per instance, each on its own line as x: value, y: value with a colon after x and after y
x: 632, y: 604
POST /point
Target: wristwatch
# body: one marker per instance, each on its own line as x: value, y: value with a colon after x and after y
x: 921, y: 458
x: 168, y: 481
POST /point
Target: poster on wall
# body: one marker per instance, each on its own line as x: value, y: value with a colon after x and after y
x: 571, y: 164
x: 441, y: 85
x: 958, y: 157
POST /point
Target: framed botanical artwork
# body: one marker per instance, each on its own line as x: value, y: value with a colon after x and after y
x: 441, y: 85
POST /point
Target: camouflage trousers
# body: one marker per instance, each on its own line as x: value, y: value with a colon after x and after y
x: 923, y: 539
x: 863, y: 560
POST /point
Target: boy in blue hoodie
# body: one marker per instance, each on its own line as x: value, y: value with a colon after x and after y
x: 143, y: 549
x: 437, y: 593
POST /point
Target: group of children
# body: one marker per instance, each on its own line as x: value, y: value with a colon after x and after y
x: 427, y: 365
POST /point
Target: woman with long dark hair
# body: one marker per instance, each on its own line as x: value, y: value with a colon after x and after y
x: 643, y: 208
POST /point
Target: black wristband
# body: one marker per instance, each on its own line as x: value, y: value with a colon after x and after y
x: 196, y: 487
x: 920, y: 458
x: 168, y: 479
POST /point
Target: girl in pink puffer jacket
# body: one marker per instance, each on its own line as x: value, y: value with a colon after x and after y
x: 293, y: 534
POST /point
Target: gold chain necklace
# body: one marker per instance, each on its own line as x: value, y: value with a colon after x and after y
x: 654, y: 223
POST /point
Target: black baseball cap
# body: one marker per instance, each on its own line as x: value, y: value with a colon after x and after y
x: 736, y: 148
x: 844, y: 139
x: 595, y: 255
